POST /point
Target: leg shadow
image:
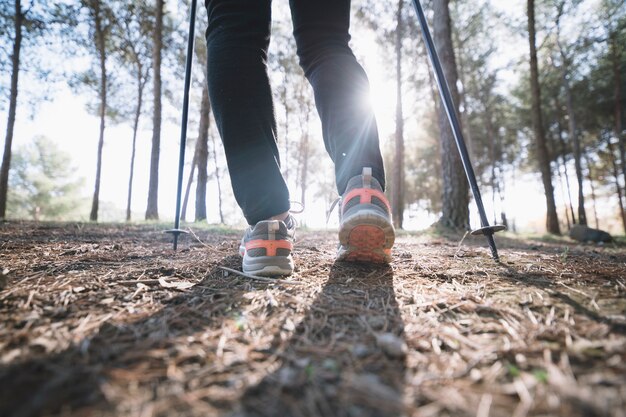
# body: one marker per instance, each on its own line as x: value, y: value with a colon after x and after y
x: 345, y: 358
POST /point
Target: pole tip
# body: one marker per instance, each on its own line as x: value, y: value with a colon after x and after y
x: 176, y: 233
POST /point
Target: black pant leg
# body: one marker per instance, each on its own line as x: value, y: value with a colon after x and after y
x: 340, y: 85
x: 238, y: 37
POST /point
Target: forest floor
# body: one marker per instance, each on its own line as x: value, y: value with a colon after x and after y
x: 107, y: 320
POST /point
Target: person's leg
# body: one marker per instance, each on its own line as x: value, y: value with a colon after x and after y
x: 341, y: 87
x: 238, y: 36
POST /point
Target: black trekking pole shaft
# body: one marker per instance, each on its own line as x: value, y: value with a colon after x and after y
x: 185, y: 117
x: 446, y: 97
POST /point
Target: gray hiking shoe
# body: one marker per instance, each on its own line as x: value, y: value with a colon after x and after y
x: 266, y: 247
x: 366, y: 233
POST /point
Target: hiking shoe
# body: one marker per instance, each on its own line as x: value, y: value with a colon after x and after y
x: 366, y: 233
x: 266, y: 247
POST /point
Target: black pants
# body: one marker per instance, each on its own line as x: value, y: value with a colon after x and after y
x: 238, y: 37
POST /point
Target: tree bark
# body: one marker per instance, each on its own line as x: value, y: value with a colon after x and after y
x: 138, y: 107
x: 455, y: 202
x: 593, y: 191
x: 617, y: 186
x: 567, y: 220
x: 305, y: 166
x: 217, y: 179
x: 192, y: 173
x: 566, y: 197
x: 304, y: 151
x: 617, y: 83
x: 152, y: 211
x: 571, y: 127
x: 541, y: 148
x: 285, y: 100
x: 15, y: 68
x: 397, y: 194
x: 101, y: 46
x: 463, y: 97
x: 491, y: 139
x: 202, y: 155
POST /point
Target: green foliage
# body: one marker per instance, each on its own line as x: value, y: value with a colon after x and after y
x: 38, y: 24
x: 541, y: 375
x: 43, y: 183
x: 513, y: 370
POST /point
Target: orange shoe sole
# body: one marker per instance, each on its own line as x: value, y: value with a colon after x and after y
x: 366, y: 238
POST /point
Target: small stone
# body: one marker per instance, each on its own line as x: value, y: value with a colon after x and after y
x: 377, y: 322
x: 392, y: 345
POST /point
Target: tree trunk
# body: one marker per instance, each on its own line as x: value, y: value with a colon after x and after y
x: 567, y: 198
x: 203, y: 155
x: 304, y: 148
x: 616, y: 176
x: 192, y: 173
x: 543, y: 157
x: 152, y: 211
x: 501, y: 182
x: 571, y: 127
x: 463, y: 98
x: 285, y: 100
x: 305, y: 167
x: 567, y: 220
x: 455, y: 202
x: 217, y: 179
x: 397, y: 194
x: 140, y: 87
x: 15, y: 68
x: 593, y: 191
x: 617, y: 85
x: 100, y: 44
x: 491, y: 140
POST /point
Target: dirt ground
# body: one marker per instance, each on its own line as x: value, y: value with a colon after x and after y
x: 107, y: 320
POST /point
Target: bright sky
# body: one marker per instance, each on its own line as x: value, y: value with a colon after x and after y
x: 65, y: 121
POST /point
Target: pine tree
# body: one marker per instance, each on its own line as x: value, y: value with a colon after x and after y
x: 455, y: 200
x: 152, y: 210
x: 541, y: 148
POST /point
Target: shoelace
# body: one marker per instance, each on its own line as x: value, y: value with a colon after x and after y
x: 292, y: 211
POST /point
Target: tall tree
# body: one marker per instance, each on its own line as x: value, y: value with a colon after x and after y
x: 218, y: 177
x: 202, y: 153
x: 615, y: 173
x: 152, y: 211
x: 566, y: 58
x: 18, y: 22
x: 192, y: 173
x: 132, y: 32
x: 100, y: 20
x: 615, y: 52
x: 541, y: 147
x: 397, y: 192
x: 567, y: 196
x: 455, y: 200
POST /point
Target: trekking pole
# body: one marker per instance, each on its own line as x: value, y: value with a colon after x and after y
x: 446, y: 97
x: 176, y: 231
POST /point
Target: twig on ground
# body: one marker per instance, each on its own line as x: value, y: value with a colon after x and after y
x: 138, y: 281
x: 197, y: 238
x: 458, y: 249
x: 262, y: 279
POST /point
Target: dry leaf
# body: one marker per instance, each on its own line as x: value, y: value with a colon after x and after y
x: 179, y: 285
